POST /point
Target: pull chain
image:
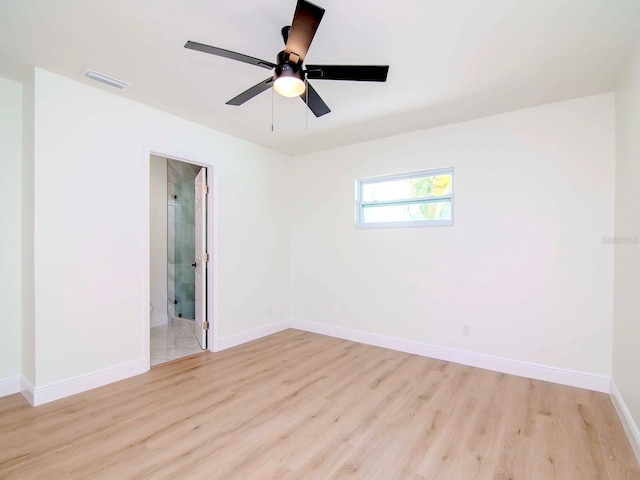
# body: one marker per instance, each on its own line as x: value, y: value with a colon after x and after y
x: 272, y: 109
x: 306, y: 110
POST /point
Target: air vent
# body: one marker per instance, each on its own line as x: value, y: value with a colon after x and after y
x: 114, y: 82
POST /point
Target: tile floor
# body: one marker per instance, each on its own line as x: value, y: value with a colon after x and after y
x: 174, y: 340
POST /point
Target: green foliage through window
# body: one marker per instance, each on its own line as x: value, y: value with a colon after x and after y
x: 419, y: 198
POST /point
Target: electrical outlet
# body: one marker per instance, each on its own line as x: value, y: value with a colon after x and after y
x: 270, y: 310
x: 466, y: 330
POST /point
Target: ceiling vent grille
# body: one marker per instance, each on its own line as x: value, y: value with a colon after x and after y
x: 114, y: 82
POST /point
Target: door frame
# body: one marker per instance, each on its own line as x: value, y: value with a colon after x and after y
x: 212, y: 244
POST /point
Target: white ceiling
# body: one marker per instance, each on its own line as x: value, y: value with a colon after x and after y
x: 450, y: 60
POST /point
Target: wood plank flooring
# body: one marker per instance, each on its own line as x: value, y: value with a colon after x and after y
x: 301, y: 406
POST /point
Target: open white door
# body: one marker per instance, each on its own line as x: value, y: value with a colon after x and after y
x: 202, y: 258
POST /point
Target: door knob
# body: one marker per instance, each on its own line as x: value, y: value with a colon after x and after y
x: 193, y: 264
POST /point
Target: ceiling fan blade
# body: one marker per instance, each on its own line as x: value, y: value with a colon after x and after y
x: 303, y: 28
x: 314, y: 101
x: 358, y: 73
x: 221, y: 52
x: 252, y: 92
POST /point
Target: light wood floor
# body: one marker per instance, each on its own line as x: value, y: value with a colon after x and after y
x: 302, y: 406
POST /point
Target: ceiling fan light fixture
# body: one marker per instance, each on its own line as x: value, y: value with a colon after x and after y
x: 289, y: 86
x: 289, y: 82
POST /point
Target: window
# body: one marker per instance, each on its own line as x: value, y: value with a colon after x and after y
x: 406, y: 200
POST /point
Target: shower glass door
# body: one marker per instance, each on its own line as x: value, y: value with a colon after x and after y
x: 181, y: 238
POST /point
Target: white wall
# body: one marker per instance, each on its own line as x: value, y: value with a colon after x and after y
x: 91, y: 235
x: 10, y: 225
x: 626, y: 339
x: 524, y: 265
x: 27, y: 235
x: 158, y: 239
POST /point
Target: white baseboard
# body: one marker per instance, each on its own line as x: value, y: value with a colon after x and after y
x: 158, y: 320
x: 599, y: 383
x: 48, y: 393
x: 26, y: 389
x: 9, y: 386
x: 250, y: 335
x: 630, y: 426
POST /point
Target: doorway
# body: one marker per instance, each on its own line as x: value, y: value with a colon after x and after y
x: 178, y: 259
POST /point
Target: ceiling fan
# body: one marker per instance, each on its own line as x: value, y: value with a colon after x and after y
x: 291, y: 77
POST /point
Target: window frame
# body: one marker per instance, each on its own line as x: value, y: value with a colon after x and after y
x: 360, y: 204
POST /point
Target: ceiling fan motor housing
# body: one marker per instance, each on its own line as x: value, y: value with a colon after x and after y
x: 287, y: 68
x: 284, y: 58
